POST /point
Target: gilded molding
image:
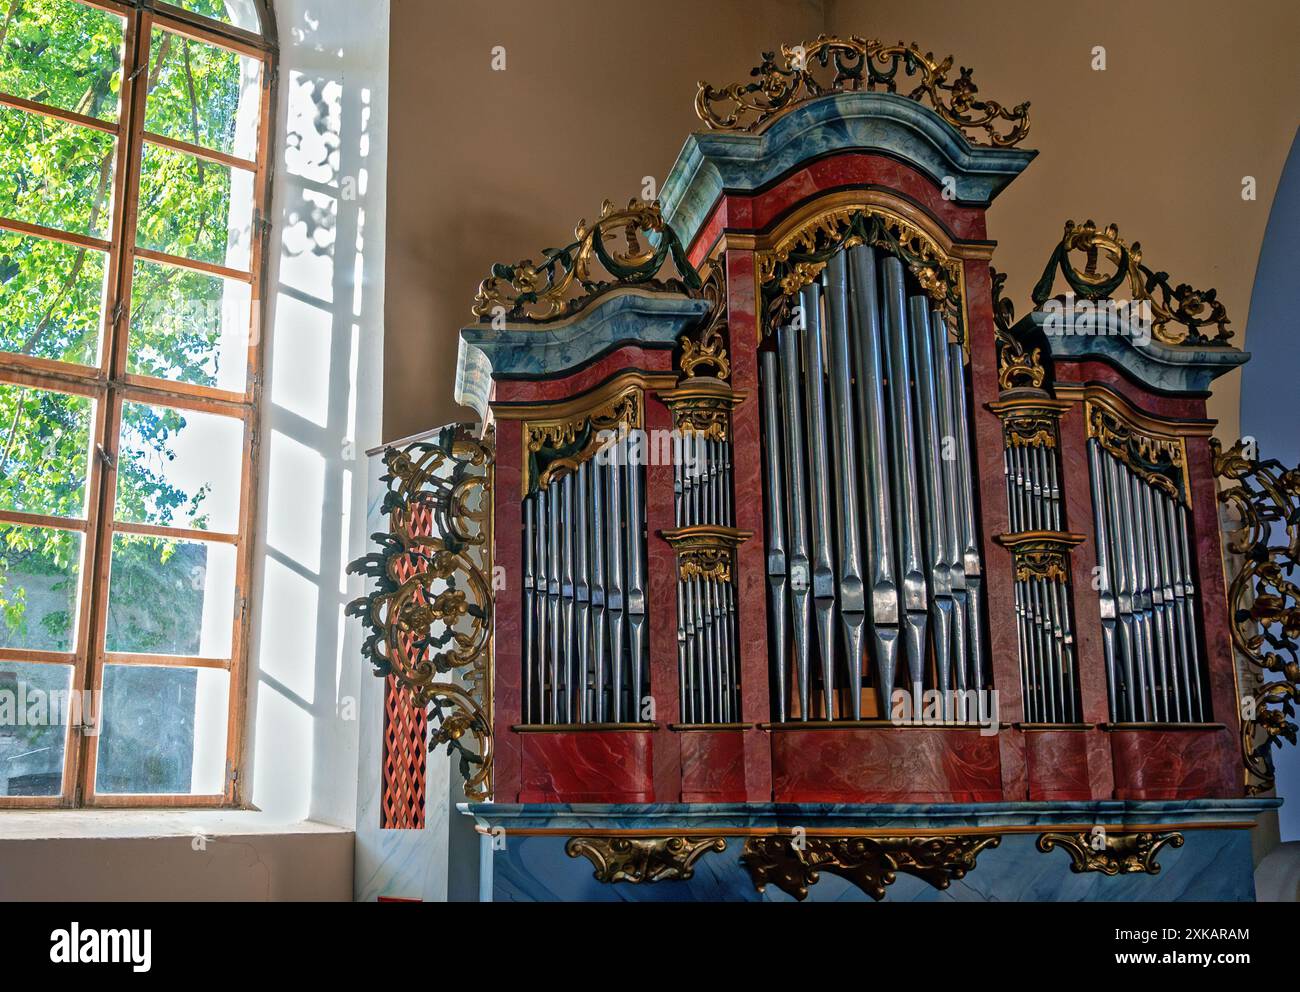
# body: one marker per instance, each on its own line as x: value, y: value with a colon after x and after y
x: 705, y: 551
x: 1041, y: 554
x: 1159, y: 459
x: 702, y: 406
x: 1190, y: 308
x: 562, y: 283
x: 1119, y: 853
x: 643, y: 859
x: 1029, y: 420
x: 1263, y: 601
x: 857, y: 64
x: 429, y: 618
x: 870, y: 863
x: 799, y: 256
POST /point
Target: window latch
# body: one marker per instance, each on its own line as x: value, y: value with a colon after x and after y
x: 105, y: 457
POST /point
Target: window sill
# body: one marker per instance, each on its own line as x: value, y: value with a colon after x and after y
x: 118, y: 824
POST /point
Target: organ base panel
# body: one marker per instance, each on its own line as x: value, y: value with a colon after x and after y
x: 787, y: 564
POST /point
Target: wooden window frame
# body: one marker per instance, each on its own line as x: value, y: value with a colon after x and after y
x: 109, y: 385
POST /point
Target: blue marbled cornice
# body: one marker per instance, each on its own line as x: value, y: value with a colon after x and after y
x: 713, y: 161
x: 631, y: 315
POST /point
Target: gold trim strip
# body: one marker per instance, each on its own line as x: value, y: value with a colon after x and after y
x: 573, y: 728
x: 1018, y: 828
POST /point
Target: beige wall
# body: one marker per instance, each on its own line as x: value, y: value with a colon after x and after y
x: 492, y: 166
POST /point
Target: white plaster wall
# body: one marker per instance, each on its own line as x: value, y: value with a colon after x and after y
x: 322, y: 406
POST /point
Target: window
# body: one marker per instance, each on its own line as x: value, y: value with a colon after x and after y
x: 133, y: 192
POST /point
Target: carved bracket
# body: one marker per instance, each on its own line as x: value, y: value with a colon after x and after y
x: 870, y: 863
x: 705, y: 551
x: 1109, y: 852
x: 1041, y: 554
x: 643, y: 859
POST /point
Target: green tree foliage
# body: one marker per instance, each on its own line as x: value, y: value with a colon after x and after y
x: 52, y: 299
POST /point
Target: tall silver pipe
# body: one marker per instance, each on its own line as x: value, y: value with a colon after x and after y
x: 971, y: 565
x: 1165, y: 609
x: 907, y: 520
x: 1155, y: 583
x: 636, y: 591
x: 928, y: 406
x: 819, y: 483
x: 774, y: 486
x: 852, y: 596
x: 1175, y: 598
x: 616, y: 544
x: 582, y: 585
x: 1028, y: 682
x: 599, y: 605
x: 871, y: 366
x: 1182, y: 544
x: 797, y: 520
x: 553, y: 597
x: 1105, y: 588
x: 1141, y: 591
x: 530, y: 605
x: 1134, y: 674
x: 568, y: 592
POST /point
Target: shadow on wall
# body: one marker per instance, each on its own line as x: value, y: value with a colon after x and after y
x: 1268, y: 389
x: 321, y: 404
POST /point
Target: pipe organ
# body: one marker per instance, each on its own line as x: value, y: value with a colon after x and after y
x: 795, y: 527
x: 872, y: 550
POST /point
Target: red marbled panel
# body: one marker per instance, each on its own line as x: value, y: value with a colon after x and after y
x: 749, y: 212
x: 1057, y: 763
x: 588, y: 377
x: 507, y: 611
x: 1175, y: 764
x: 661, y: 574
x: 885, y: 766
x: 587, y: 766
x: 747, y: 479
x: 1076, y: 482
x: 1100, y: 373
x: 713, y: 766
x: 1213, y: 602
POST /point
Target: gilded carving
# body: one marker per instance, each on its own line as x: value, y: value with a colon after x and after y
x: 870, y: 863
x: 1111, y: 852
x: 799, y: 257
x: 1158, y: 460
x: 1183, y: 305
x: 643, y: 859
x: 429, y: 618
x: 705, y: 551
x: 855, y: 64
x: 1263, y: 600
x: 562, y: 282
x: 707, y: 346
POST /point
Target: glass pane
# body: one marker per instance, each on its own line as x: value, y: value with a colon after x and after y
x: 39, y: 588
x: 63, y: 54
x: 170, y: 597
x: 195, y: 209
x: 179, y: 468
x: 53, y: 297
x: 189, y: 326
x: 240, y: 13
x: 36, y: 709
x: 203, y: 94
x: 46, y: 437
x: 54, y: 173
x: 164, y: 730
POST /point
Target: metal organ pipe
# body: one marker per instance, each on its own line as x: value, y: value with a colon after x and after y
x: 1147, y: 597
x: 866, y: 390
